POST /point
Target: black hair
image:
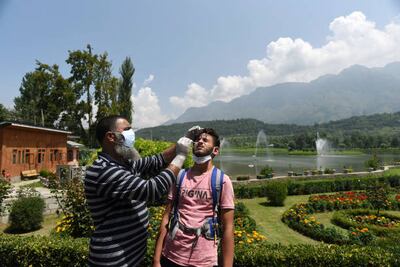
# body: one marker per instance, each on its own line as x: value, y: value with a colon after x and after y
x: 105, y: 125
x: 212, y: 132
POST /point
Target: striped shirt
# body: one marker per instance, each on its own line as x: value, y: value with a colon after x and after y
x: 117, y: 196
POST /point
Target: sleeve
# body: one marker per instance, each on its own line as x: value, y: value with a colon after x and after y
x: 116, y: 182
x: 151, y: 165
x: 227, y: 195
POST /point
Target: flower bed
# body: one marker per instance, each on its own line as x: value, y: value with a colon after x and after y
x: 300, y: 218
x: 382, y: 224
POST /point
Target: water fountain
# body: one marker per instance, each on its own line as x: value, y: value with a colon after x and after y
x: 261, y: 151
x: 323, y: 147
x: 222, y: 148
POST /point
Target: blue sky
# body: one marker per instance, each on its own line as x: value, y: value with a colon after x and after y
x: 188, y: 53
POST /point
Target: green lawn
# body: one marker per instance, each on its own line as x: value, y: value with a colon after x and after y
x: 269, y: 220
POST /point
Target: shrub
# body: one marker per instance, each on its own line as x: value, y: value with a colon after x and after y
x: 243, y: 178
x: 44, y: 173
x: 26, y: 213
x: 27, y: 251
x: 77, y: 221
x: 266, y: 171
x: 374, y: 162
x: 276, y: 193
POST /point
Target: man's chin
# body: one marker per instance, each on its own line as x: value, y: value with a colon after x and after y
x: 127, y: 153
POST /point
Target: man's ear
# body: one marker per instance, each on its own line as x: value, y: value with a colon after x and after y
x: 109, y: 137
x: 215, y: 151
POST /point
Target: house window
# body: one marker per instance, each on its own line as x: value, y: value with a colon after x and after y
x: 27, y: 151
x: 19, y: 157
x: 55, y: 155
x: 41, y: 154
x: 14, y: 156
x: 23, y: 156
x: 70, y: 155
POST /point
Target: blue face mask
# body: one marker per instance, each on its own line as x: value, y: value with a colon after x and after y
x: 129, y: 138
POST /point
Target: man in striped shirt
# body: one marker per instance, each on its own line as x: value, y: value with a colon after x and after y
x: 117, y: 193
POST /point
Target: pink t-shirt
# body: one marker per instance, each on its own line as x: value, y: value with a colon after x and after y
x: 195, y: 204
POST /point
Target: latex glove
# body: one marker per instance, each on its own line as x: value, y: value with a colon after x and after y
x: 192, y: 132
x: 183, y: 147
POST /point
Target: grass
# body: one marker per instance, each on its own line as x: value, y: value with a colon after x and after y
x: 33, y: 185
x: 49, y: 223
x: 269, y: 220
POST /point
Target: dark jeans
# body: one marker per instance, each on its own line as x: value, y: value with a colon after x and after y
x: 167, y: 263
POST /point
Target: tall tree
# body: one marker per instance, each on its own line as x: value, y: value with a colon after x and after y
x: 92, y: 84
x: 41, y: 99
x: 4, y: 113
x: 125, y: 89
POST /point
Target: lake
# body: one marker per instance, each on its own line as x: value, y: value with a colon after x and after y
x: 244, y: 163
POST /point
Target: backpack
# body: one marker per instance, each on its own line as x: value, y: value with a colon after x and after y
x: 209, y: 228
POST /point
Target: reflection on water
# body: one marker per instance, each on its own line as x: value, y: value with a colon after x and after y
x: 245, y: 164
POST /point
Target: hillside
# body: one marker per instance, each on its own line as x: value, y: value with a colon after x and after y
x: 355, y: 91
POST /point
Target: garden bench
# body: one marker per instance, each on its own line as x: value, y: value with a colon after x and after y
x: 29, y: 173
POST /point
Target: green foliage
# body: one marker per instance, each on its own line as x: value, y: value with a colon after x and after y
x: 266, y: 171
x: 125, y: 106
x: 5, y: 114
x: 28, y: 251
x: 26, y: 213
x: 305, y: 186
x: 378, y: 196
x: 378, y: 131
x: 382, y: 224
x: 150, y: 148
x: 44, y: 173
x: 374, y: 162
x: 77, y: 221
x: 276, y: 193
x: 43, y: 95
x: 307, y: 255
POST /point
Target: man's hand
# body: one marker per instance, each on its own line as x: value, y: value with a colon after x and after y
x: 193, y: 132
x: 183, y: 147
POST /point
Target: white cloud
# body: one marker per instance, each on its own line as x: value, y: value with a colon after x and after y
x: 148, y: 80
x: 353, y: 40
x: 147, y: 109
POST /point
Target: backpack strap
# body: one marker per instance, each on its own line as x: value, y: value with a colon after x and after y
x: 217, y: 179
x: 179, y: 180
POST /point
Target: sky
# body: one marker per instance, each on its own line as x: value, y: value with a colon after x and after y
x: 188, y: 53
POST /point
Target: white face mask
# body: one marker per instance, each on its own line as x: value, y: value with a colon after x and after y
x: 200, y: 160
x: 129, y: 137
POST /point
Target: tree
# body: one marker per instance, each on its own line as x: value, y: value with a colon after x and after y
x: 4, y: 113
x: 92, y: 84
x: 125, y: 89
x: 378, y: 196
x: 42, y: 96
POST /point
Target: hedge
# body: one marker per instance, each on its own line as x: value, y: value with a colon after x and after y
x: 42, y: 251
x: 50, y: 251
x: 305, y: 187
x: 309, y: 255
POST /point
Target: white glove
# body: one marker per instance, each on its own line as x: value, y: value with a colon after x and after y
x: 192, y: 132
x: 183, y: 147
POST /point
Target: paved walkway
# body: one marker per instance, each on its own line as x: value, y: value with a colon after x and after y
x: 44, y: 191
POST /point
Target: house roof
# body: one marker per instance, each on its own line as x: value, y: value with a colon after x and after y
x: 21, y: 125
x: 74, y: 144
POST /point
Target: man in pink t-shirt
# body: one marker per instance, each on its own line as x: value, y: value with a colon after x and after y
x: 195, y: 204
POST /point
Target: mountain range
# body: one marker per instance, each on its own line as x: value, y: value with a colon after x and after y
x: 355, y: 91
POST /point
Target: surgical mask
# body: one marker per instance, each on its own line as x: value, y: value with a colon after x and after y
x: 200, y: 160
x: 129, y: 137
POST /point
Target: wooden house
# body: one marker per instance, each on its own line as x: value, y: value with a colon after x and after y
x: 25, y: 147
